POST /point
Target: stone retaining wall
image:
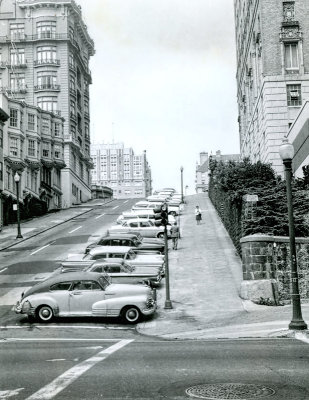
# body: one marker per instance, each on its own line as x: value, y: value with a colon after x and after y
x: 266, y: 264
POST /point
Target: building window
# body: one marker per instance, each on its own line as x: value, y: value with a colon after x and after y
x: 45, y: 153
x: 48, y: 103
x: 31, y: 122
x: 294, y: 95
x: 46, y: 29
x: 17, y: 56
x: 1, y: 138
x: 57, y: 151
x: 47, y: 79
x: 31, y: 148
x: 47, y: 53
x: 8, y: 178
x: 13, y: 147
x: 45, y: 126
x: 17, y: 81
x: 288, y: 11
x: 14, y: 117
x: 1, y: 171
x: 57, y: 130
x: 291, y: 57
x: 17, y: 31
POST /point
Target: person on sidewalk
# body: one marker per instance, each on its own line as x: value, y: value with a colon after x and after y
x: 175, y: 235
x: 198, y: 215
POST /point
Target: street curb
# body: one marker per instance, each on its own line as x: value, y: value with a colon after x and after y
x: 51, y: 227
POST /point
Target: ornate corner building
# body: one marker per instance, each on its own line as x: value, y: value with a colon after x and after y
x: 272, y: 45
x: 44, y: 81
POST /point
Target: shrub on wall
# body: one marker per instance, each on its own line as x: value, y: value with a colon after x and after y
x: 229, y: 182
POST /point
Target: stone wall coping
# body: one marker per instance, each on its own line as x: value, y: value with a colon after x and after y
x: 272, y: 239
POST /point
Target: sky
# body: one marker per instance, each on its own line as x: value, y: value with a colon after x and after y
x: 164, y: 81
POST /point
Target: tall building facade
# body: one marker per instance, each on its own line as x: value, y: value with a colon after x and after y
x: 272, y: 45
x: 44, y: 55
x: 127, y: 174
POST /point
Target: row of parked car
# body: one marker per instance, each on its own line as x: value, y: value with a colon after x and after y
x: 117, y: 275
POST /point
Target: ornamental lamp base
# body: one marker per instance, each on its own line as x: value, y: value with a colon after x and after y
x: 298, y: 325
x: 168, y: 305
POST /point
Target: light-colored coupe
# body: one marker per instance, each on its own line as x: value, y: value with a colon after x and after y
x: 86, y: 294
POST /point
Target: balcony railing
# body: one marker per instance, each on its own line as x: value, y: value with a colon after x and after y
x: 14, y: 89
x: 47, y: 87
x: 17, y: 64
x: 46, y: 61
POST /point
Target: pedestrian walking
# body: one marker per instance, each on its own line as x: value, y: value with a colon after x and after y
x: 198, y: 215
x: 175, y: 235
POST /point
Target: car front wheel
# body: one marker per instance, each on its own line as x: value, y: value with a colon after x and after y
x: 45, y: 314
x: 131, y: 314
x: 161, y: 235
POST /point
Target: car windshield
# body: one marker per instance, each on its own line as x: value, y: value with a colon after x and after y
x: 131, y: 255
x: 128, y: 267
x: 105, y: 280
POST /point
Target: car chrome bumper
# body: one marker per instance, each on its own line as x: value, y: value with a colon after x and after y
x: 149, y: 311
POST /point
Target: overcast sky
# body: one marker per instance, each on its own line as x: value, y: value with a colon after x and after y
x: 164, y: 80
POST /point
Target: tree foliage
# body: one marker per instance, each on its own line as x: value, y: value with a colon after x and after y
x: 229, y: 182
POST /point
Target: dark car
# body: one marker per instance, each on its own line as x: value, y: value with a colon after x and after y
x: 126, y: 240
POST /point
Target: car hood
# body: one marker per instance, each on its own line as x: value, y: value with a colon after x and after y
x: 122, y: 290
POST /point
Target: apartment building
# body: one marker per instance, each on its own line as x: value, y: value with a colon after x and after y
x: 272, y: 45
x: 127, y: 174
x: 202, y: 168
x: 44, y: 55
x: 33, y: 146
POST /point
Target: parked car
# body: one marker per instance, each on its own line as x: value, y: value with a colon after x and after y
x: 145, y: 228
x: 86, y: 294
x: 125, y: 253
x: 126, y: 240
x: 144, y: 214
x: 119, y: 271
x: 142, y: 239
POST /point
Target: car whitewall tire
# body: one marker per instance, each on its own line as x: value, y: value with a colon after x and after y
x: 45, y: 314
x: 131, y: 314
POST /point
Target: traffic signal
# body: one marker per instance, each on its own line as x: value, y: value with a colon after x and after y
x: 157, y: 216
x: 164, y: 214
x: 161, y: 215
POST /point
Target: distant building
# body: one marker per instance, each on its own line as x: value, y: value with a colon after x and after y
x: 117, y: 167
x: 202, y: 168
x: 272, y: 45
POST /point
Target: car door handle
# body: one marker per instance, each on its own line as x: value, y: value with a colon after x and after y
x: 75, y: 293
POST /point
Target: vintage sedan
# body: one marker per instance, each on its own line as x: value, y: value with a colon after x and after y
x: 119, y: 271
x: 146, y: 228
x: 86, y: 294
x: 126, y: 240
x: 127, y: 254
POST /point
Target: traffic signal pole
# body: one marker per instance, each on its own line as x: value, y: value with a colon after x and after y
x: 168, y: 303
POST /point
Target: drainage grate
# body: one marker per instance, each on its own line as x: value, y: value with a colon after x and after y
x: 224, y: 391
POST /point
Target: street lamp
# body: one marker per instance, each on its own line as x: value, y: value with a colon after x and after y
x: 286, y: 152
x: 181, y: 171
x: 17, y: 179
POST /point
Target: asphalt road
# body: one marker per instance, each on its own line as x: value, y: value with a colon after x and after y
x: 137, y: 368
x: 33, y: 260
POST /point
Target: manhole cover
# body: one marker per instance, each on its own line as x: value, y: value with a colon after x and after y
x: 230, y: 391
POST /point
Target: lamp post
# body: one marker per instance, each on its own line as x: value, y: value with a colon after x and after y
x: 17, y: 179
x: 286, y: 152
x: 181, y: 172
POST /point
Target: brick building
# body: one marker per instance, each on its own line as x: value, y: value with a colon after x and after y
x: 44, y: 54
x: 117, y: 167
x: 272, y: 44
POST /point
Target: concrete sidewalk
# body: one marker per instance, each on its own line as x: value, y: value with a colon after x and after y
x: 37, y: 225
x: 205, y: 277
